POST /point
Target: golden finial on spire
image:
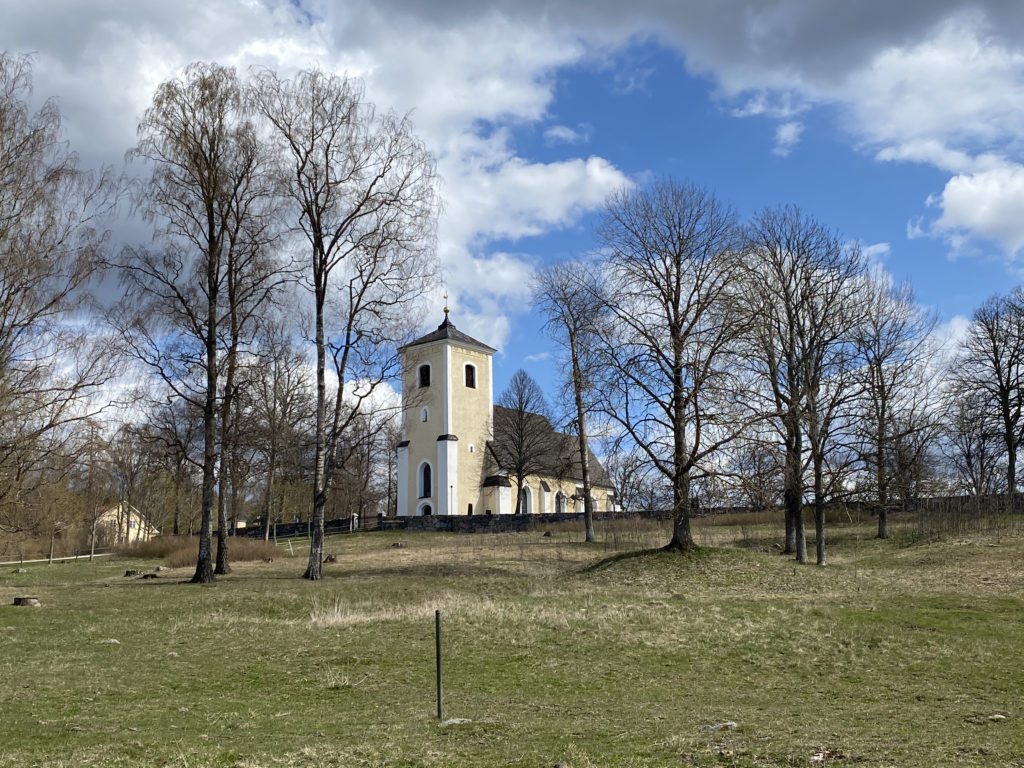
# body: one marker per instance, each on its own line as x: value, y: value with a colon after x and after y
x: 446, y: 303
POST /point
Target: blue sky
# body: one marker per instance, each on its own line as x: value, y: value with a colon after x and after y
x: 900, y: 125
x: 673, y: 123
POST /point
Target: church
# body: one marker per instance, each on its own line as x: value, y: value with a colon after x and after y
x: 447, y: 462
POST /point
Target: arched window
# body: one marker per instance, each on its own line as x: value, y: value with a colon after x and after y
x: 525, y: 500
x: 425, y: 481
x: 424, y: 375
x: 424, y: 414
x: 471, y: 448
x: 470, y: 376
x: 426, y: 511
x: 560, y: 503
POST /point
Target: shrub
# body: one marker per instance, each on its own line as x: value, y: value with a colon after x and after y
x: 158, y: 546
x: 182, y: 551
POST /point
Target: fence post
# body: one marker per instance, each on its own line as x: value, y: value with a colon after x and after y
x: 437, y: 643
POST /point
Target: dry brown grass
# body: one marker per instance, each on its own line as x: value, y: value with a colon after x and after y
x: 159, y: 546
x: 556, y: 650
x: 182, y: 551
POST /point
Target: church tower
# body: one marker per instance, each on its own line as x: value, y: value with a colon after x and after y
x: 447, y: 419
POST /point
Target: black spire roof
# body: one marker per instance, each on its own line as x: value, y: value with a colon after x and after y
x: 447, y: 330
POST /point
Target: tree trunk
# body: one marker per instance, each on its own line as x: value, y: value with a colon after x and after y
x: 226, y: 441
x: 1011, y: 479
x: 268, y: 506
x: 801, y: 536
x: 581, y: 420
x: 222, y: 567
x: 177, y: 503
x: 204, y: 564
x: 883, y: 523
x: 819, y: 512
x: 793, y: 491
x: 682, y: 536
x: 314, y: 568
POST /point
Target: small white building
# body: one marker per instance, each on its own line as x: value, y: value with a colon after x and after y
x: 122, y: 523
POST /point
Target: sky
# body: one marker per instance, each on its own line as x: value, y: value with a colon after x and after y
x: 900, y: 125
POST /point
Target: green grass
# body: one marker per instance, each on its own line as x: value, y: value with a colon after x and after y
x: 894, y: 655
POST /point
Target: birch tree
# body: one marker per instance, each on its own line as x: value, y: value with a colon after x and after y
x: 568, y: 296
x: 362, y: 191
x: 205, y: 158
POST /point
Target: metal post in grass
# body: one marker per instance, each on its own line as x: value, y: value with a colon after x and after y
x: 437, y: 649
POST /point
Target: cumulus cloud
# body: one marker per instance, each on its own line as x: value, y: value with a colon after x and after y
x: 988, y: 204
x: 939, y: 82
x: 466, y: 80
x: 787, y: 136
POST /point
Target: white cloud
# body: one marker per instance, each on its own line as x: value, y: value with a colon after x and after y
x: 955, y: 90
x: 787, y: 136
x: 466, y: 79
x: 947, y: 338
x: 779, y: 106
x: 876, y: 255
x: 989, y: 205
x: 563, y: 134
x: 939, y: 82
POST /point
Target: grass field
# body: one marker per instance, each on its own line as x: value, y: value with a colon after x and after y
x: 897, y: 654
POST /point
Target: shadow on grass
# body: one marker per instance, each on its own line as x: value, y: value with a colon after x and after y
x: 431, y: 571
x: 608, y: 562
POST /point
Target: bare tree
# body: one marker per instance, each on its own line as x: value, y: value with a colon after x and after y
x: 281, y: 397
x: 251, y: 280
x: 568, y: 296
x: 173, y: 437
x: 205, y: 158
x: 522, y: 442
x: 991, y: 364
x: 126, y: 464
x: 973, y: 442
x: 892, y: 340
x: 832, y: 390
x: 363, y: 196
x: 798, y: 280
x: 92, y: 478
x: 51, y: 240
x: 638, y: 488
x: 756, y: 469
x: 666, y: 345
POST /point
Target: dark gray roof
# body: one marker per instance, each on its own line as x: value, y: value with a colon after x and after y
x: 561, y: 459
x: 447, y: 330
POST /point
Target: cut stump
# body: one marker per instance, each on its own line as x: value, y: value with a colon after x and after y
x: 30, y: 601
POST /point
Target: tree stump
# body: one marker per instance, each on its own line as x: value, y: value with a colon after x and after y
x: 30, y: 601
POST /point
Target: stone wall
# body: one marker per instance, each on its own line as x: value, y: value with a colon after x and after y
x: 495, y: 523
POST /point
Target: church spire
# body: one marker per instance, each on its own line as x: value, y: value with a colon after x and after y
x: 446, y: 321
